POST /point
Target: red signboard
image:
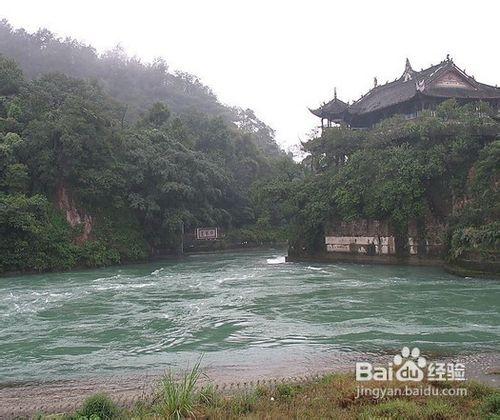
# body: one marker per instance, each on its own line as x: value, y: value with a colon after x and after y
x: 207, y: 233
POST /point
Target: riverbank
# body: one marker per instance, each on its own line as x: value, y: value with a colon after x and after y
x: 294, y: 391
x: 235, y: 247
x: 333, y: 257
x: 238, y: 248
x: 458, y: 268
x: 466, y: 268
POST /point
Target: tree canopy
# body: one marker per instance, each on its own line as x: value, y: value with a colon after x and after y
x: 444, y: 163
x: 136, y: 85
x: 64, y: 147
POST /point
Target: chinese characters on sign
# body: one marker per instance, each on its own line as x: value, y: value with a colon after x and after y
x: 207, y: 233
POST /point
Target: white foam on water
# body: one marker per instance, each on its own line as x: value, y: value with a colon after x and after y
x: 314, y: 268
x: 116, y: 276
x: 224, y: 279
x: 120, y: 286
x: 277, y: 260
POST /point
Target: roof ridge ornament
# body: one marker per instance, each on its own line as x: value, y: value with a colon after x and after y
x: 408, y: 67
x: 335, y: 92
x: 408, y: 73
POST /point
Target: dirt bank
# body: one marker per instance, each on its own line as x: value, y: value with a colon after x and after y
x: 29, y: 398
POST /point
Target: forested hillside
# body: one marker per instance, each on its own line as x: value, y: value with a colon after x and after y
x: 133, y: 83
x: 109, y: 167
x: 104, y: 159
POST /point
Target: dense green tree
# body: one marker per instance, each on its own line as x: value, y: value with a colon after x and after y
x: 32, y: 235
x: 11, y: 77
x: 135, y: 84
x: 67, y: 156
x: 444, y: 163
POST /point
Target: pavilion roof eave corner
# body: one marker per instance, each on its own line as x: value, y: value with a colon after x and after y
x: 317, y: 112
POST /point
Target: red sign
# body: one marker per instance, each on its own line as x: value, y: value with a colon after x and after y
x: 207, y: 233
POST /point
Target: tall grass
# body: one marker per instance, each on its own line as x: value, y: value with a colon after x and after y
x: 178, y: 395
x: 209, y: 396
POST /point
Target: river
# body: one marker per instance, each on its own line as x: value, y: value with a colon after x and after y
x: 239, y: 309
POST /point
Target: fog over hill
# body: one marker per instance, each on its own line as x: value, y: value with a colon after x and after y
x: 127, y: 79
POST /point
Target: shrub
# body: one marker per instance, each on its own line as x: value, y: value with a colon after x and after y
x: 484, y: 239
x: 99, y: 406
x: 491, y: 405
x: 286, y: 391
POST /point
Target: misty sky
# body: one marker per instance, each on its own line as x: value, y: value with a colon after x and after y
x: 280, y: 57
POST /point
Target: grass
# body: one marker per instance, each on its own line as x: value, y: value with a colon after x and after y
x: 99, y: 406
x: 394, y: 409
x: 491, y: 406
x: 330, y: 397
x: 209, y: 396
x: 177, y: 398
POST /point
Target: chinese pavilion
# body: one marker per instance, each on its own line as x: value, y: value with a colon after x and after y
x: 413, y: 92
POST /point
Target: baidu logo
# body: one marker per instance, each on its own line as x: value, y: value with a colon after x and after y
x: 408, y: 366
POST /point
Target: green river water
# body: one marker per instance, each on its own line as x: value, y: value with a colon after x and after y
x: 235, y: 308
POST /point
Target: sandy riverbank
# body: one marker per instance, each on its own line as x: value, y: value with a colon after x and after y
x: 29, y: 398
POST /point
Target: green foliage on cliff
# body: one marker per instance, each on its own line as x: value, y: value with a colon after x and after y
x: 33, y: 235
x: 444, y: 164
x: 475, y: 232
x: 69, y: 158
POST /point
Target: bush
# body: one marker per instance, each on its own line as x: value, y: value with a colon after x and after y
x: 33, y: 235
x: 491, y: 405
x: 286, y: 391
x: 483, y: 240
x: 99, y: 406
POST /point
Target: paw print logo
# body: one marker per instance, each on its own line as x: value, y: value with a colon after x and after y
x: 409, y: 365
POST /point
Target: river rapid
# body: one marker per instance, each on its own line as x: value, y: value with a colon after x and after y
x: 240, y: 310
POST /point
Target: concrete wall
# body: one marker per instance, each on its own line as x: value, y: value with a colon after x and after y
x: 377, y: 238
x: 369, y: 245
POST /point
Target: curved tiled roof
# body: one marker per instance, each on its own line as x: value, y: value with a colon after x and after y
x: 384, y: 95
x: 334, y: 107
x: 411, y: 83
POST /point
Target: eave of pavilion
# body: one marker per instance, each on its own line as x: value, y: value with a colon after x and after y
x: 412, y: 85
